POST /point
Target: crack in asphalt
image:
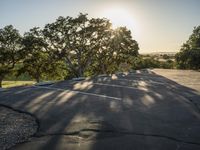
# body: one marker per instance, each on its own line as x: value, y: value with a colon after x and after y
x: 77, y: 133
x: 117, y: 132
x: 196, y: 105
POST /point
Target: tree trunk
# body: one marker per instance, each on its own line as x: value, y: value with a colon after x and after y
x: 104, y: 70
x: 1, y: 79
x: 37, y: 79
x: 80, y: 72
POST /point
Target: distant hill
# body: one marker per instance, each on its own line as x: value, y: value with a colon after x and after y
x: 160, y: 53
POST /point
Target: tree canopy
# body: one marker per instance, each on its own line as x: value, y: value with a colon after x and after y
x: 38, y: 61
x: 89, y: 44
x: 70, y: 46
x: 10, y: 50
x: 189, y: 55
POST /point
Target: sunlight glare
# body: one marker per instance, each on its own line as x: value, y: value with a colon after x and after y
x: 119, y: 17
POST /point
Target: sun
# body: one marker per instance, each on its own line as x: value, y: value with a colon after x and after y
x: 119, y: 17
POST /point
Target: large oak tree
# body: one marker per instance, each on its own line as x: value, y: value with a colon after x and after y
x: 89, y: 44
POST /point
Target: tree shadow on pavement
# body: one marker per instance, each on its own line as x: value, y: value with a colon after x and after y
x: 157, y: 113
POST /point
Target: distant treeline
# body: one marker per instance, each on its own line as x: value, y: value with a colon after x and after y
x: 74, y: 47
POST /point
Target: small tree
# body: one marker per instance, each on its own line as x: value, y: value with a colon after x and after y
x: 189, y: 55
x: 10, y: 50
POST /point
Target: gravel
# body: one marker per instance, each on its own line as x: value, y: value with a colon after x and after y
x: 15, y: 127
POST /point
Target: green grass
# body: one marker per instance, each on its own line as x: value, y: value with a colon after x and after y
x: 8, y: 84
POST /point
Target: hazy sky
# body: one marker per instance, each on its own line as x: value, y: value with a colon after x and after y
x: 157, y: 25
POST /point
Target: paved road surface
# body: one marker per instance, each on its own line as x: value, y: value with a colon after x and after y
x: 125, y: 111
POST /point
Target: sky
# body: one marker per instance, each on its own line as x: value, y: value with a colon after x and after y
x: 157, y: 25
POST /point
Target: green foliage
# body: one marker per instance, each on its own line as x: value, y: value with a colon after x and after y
x: 14, y: 75
x: 67, y: 48
x: 119, y: 49
x: 169, y: 64
x: 189, y: 55
x: 89, y: 46
x: 10, y: 50
x: 151, y: 62
x: 141, y: 63
x: 69, y: 38
x: 165, y: 56
x: 38, y: 62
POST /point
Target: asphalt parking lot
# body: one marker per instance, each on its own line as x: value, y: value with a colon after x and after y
x: 154, y: 110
